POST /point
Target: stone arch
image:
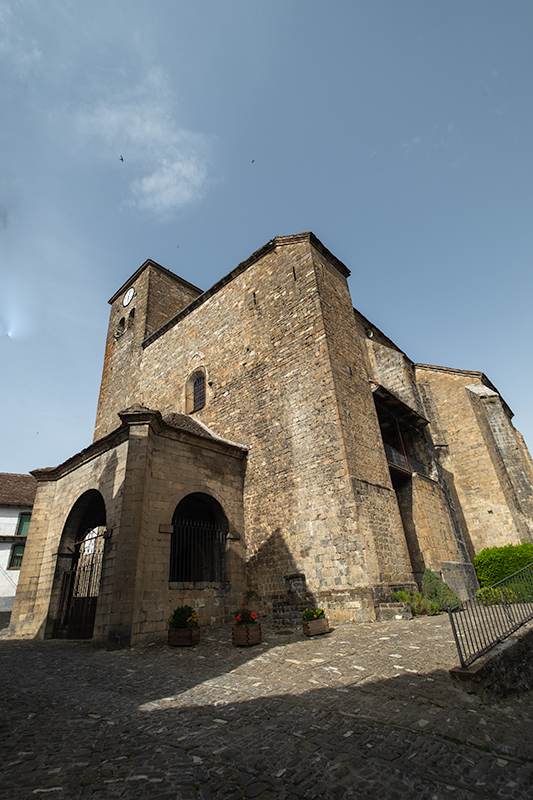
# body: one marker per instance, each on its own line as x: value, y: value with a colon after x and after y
x: 199, y: 540
x: 77, y: 577
x: 88, y: 512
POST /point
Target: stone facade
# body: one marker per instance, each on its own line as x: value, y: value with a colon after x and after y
x: 339, y: 488
x: 127, y: 486
x: 483, y: 457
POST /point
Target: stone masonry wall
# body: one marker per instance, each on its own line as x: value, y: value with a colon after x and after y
x: 167, y: 295
x: 389, y: 367
x: 379, y: 528
x: 26, y: 616
x: 468, y: 458
x: 158, y: 296
x: 431, y: 525
x: 54, y: 501
x: 507, y: 457
x: 179, y: 468
x: 123, y: 353
x: 526, y: 455
x: 436, y: 536
x: 263, y: 341
x: 141, y: 478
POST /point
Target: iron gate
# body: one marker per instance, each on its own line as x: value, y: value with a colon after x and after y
x: 80, y: 585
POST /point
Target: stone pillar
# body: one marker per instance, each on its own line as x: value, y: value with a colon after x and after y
x: 128, y: 538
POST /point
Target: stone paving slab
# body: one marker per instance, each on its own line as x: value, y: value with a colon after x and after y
x: 367, y: 711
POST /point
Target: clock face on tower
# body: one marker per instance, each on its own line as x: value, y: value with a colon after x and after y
x: 126, y: 300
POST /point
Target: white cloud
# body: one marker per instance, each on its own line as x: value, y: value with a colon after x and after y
x: 170, y: 164
x: 175, y: 182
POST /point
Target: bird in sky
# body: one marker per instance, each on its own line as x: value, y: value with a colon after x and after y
x: 121, y: 158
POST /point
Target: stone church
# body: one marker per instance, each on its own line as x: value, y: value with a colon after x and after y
x: 264, y: 441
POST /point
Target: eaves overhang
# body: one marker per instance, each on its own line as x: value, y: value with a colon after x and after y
x: 398, y: 408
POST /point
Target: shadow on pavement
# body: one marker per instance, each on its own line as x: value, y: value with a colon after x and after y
x: 293, y: 718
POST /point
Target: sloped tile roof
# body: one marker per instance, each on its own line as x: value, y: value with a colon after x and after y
x: 183, y: 422
x: 17, y: 490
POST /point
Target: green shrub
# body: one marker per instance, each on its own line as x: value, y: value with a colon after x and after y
x: 522, y: 591
x: 419, y: 604
x: 494, y: 564
x: 434, y: 588
x: 434, y: 607
x: 433, y: 598
x: 511, y: 593
x: 489, y: 597
x: 401, y: 596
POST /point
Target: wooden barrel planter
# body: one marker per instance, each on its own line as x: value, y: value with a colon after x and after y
x: 183, y: 637
x: 313, y: 627
x: 246, y: 635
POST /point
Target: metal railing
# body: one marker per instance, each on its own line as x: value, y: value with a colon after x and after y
x: 197, y: 551
x: 492, y: 614
x: 398, y: 459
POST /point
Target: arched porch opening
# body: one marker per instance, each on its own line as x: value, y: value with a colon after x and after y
x: 77, y: 579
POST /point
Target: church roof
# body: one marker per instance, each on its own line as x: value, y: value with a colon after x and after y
x: 183, y: 422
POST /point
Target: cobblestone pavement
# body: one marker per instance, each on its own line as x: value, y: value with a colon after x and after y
x: 367, y: 711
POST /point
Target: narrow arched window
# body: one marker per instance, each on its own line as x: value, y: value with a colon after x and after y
x: 195, y: 398
x: 199, y: 391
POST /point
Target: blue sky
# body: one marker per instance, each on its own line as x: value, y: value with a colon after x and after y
x: 399, y: 131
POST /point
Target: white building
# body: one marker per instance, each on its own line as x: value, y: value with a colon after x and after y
x: 17, y: 493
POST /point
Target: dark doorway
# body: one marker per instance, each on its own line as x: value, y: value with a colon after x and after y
x: 403, y: 486
x: 198, y: 546
x: 81, y: 556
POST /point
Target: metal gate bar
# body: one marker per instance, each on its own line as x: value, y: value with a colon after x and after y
x: 80, y: 586
x: 197, y: 552
x: 492, y: 614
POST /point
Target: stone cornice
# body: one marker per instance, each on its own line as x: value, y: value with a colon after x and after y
x: 139, y: 415
x: 113, y: 439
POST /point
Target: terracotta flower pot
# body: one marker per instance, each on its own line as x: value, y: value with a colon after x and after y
x: 183, y: 637
x: 246, y: 635
x: 313, y: 627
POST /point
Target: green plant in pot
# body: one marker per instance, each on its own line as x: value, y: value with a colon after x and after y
x: 314, y: 621
x: 183, y: 627
x: 246, y: 627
